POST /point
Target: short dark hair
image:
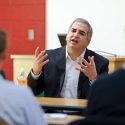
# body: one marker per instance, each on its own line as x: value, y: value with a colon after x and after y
x: 3, y: 122
x: 3, y: 40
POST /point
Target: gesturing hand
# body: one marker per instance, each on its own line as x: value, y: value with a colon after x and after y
x: 40, y: 61
x: 88, y: 68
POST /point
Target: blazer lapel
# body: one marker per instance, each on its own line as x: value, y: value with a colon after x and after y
x: 87, y: 53
x: 61, y: 64
x: 82, y: 77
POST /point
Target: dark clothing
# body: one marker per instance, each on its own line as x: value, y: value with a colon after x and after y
x: 2, y: 74
x: 99, y: 121
x: 107, y: 96
x: 52, y: 77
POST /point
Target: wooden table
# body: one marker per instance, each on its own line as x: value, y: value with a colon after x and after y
x: 62, y: 103
x: 115, y: 63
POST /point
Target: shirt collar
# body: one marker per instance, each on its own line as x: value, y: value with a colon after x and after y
x: 78, y: 58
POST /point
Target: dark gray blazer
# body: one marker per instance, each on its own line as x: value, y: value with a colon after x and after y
x: 107, y: 96
x: 52, y: 77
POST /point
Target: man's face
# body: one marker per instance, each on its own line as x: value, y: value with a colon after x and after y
x: 77, y: 36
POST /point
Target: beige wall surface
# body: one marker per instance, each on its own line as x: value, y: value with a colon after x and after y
x: 26, y: 62
x: 21, y: 61
x: 106, y: 17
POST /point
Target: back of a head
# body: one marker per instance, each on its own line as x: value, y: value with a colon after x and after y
x: 3, y: 122
x: 3, y: 40
x: 2, y: 74
x: 3, y: 44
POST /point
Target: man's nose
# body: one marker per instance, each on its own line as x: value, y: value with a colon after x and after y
x: 76, y: 34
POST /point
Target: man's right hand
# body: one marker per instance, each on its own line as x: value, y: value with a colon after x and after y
x: 40, y: 61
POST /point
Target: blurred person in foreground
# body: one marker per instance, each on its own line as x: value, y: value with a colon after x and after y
x: 17, y: 103
x: 106, y: 98
x: 68, y: 71
x: 2, y: 74
x: 106, y: 103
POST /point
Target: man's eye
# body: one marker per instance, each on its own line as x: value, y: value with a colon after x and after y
x: 73, y: 30
x: 82, y: 33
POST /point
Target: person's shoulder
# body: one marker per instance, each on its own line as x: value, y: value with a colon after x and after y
x: 98, y: 56
x: 110, y: 78
x: 56, y: 51
x: 10, y: 88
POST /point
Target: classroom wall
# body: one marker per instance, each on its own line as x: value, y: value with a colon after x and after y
x: 107, y: 18
x: 17, y: 17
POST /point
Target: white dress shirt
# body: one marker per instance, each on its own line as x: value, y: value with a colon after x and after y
x: 70, y: 85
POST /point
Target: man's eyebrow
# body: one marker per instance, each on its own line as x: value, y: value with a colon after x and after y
x: 82, y: 31
x: 73, y: 28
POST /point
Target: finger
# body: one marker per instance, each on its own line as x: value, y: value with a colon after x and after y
x: 44, y: 57
x: 44, y: 62
x: 79, y: 68
x: 84, y: 70
x: 41, y: 55
x: 85, y: 62
x: 81, y: 65
x: 91, y: 59
x: 37, y: 51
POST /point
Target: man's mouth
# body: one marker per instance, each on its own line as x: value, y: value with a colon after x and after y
x: 74, y: 41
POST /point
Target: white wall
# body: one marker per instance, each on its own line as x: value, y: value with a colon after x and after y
x: 107, y: 18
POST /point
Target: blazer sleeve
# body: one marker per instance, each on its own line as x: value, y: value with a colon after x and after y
x: 37, y: 86
x: 105, y: 67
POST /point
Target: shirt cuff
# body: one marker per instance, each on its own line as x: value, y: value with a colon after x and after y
x: 91, y: 82
x: 35, y: 76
